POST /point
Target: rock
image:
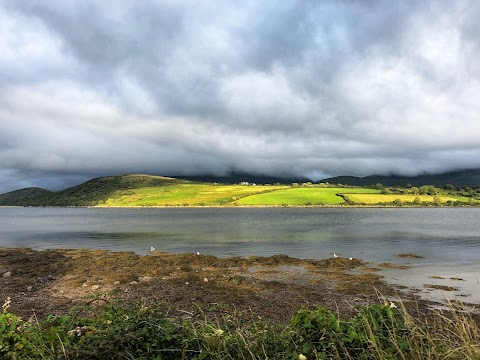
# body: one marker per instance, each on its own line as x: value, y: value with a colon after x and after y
x: 29, y: 288
x: 116, y: 283
x: 95, y: 287
x: 7, y: 274
x: 205, y: 280
x: 133, y: 283
x: 51, y: 277
x: 84, y: 284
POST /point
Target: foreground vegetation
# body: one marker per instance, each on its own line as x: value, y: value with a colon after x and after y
x: 148, y: 190
x: 115, y: 332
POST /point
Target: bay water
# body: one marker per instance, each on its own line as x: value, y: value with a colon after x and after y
x: 447, y: 238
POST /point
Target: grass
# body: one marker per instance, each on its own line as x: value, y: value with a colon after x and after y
x: 302, y: 196
x: 381, y: 198
x: 150, y: 190
x: 184, y: 195
x: 379, y: 331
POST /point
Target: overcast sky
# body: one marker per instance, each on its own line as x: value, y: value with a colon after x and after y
x: 314, y: 88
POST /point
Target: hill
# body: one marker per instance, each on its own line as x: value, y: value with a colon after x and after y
x: 87, y: 194
x: 24, y: 197
x: 460, y: 178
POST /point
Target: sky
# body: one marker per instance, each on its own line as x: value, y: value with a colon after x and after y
x: 176, y: 87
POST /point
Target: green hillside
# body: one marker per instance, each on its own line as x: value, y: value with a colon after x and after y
x: 24, y: 197
x: 191, y: 194
x: 149, y: 190
x: 89, y: 193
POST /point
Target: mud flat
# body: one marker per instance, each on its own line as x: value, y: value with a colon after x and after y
x: 275, y: 288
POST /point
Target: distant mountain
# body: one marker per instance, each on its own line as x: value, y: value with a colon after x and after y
x: 87, y: 194
x: 238, y: 177
x: 459, y: 178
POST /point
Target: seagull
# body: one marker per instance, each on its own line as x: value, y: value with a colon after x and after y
x: 350, y: 258
x: 335, y: 255
x: 152, y: 248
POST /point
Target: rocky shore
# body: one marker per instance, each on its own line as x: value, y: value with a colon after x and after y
x: 276, y: 287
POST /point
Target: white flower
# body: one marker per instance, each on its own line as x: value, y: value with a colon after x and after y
x: 392, y: 305
x: 302, y: 357
x: 6, y: 305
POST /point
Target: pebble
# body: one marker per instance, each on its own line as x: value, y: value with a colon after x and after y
x: 205, y: 280
x: 186, y: 282
x: 51, y: 277
x: 133, y: 283
x: 95, y: 287
x: 116, y: 283
x: 29, y: 288
x: 84, y: 285
x: 7, y: 274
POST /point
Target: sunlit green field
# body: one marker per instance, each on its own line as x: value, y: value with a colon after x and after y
x: 204, y: 194
x: 380, y: 198
x: 302, y: 196
x: 184, y: 195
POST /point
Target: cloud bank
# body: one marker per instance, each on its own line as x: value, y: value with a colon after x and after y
x: 313, y: 88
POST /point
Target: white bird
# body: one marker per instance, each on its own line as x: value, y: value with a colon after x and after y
x: 350, y: 258
x: 152, y: 248
x: 335, y: 255
x: 198, y: 253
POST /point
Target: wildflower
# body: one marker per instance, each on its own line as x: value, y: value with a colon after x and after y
x: 302, y: 357
x: 218, y: 332
x: 392, y: 305
x: 6, y: 304
x: 75, y: 332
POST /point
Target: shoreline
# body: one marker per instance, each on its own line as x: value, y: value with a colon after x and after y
x: 275, y: 287
x: 325, y: 206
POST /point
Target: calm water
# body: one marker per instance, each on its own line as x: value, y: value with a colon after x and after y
x: 448, y: 238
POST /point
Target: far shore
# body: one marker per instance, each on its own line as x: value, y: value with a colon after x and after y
x: 346, y: 206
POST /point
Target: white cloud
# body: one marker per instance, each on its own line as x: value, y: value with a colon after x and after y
x: 324, y: 88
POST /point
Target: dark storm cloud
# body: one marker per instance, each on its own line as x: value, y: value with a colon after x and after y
x: 314, y: 88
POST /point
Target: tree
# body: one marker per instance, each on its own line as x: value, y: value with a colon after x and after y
x: 414, y: 190
x: 378, y: 186
x: 397, y: 202
x: 417, y: 201
x: 437, y: 200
